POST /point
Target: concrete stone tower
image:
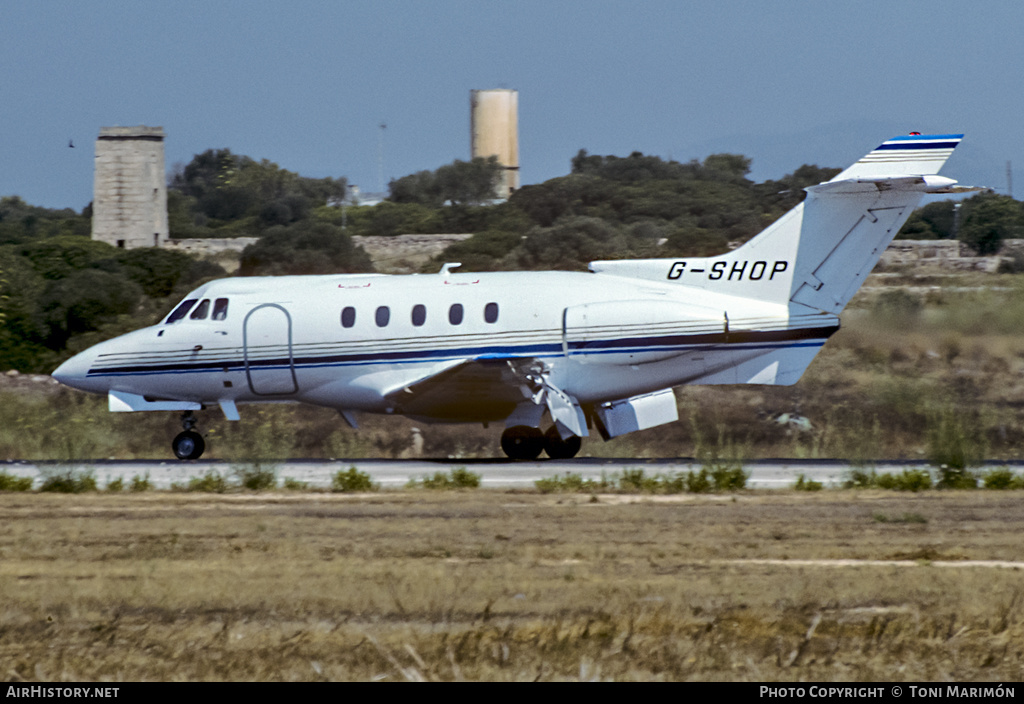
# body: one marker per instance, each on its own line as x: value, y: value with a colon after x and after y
x: 129, y: 207
x: 494, y: 131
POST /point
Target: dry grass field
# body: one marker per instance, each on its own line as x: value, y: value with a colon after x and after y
x: 495, y: 585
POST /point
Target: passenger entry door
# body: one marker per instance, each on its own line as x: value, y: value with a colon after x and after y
x: 267, y: 341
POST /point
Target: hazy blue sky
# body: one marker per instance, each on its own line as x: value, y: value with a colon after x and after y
x: 305, y: 83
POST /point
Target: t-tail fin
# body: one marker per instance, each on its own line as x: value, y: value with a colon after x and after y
x: 819, y: 253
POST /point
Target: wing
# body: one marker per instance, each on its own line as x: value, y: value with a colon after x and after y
x: 472, y: 390
x: 488, y: 389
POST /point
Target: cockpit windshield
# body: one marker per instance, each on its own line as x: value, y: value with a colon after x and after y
x: 181, y: 311
x: 200, y: 312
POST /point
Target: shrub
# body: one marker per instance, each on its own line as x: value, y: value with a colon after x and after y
x: 897, y: 308
x: 295, y: 485
x: 140, y: 483
x: 69, y: 481
x: 569, y: 483
x: 352, y: 480
x: 462, y: 478
x: 212, y: 482
x: 457, y: 478
x: 634, y: 480
x: 698, y: 482
x: 860, y: 479
x: 956, y: 478
x: 9, y: 482
x: 907, y: 480
x: 115, y: 485
x: 1002, y: 478
x: 256, y: 477
x: 729, y: 478
x: 805, y: 484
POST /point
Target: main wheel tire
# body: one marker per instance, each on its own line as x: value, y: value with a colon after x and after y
x: 188, y: 445
x: 521, y: 442
x: 559, y: 448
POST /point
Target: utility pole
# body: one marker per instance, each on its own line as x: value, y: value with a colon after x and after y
x: 344, y: 202
x: 1009, y: 179
x: 380, y: 155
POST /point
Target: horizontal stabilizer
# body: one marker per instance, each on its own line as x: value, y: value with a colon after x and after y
x: 917, y: 154
x: 877, y: 184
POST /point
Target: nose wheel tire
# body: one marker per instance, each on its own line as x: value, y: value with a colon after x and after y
x: 559, y: 448
x: 188, y: 445
x: 521, y: 442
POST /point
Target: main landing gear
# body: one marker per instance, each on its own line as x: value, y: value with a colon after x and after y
x: 521, y: 442
x: 188, y: 445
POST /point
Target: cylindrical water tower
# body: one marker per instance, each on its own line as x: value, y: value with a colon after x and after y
x: 494, y: 131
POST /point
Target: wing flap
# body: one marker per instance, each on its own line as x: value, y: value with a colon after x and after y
x: 482, y: 389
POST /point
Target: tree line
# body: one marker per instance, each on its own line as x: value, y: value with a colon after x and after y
x: 60, y: 291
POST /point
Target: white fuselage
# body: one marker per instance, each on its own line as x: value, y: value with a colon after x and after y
x: 600, y: 338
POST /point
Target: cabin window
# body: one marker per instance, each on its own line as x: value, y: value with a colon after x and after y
x: 491, y: 312
x: 181, y: 311
x: 201, y: 311
x: 348, y: 317
x: 419, y: 314
x: 455, y: 314
x: 220, y: 309
x: 383, y: 316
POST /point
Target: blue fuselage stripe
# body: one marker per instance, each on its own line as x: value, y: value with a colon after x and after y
x: 672, y: 343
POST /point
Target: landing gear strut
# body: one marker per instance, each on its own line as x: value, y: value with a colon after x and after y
x: 188, y: 445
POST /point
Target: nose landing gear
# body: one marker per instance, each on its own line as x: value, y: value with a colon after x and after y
x: 188, y: 445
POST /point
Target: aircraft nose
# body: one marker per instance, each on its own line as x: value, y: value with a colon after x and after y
x: 73, y: 372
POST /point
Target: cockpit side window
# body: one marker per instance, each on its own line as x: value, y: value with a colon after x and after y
x: 201, y: 311
x: 181, y: 311
x: 220, y: 309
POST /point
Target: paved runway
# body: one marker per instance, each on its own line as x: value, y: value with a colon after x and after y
x: 496, y: 474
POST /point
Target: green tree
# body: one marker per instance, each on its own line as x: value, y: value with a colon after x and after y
x: 20, y: 332
x: 727, y: 167
x: 57, y: 257
x: 159, y: 271
x: 84, y: 301
x: 934, y: 221
x: 421, y: 187
x: 988, y: 219
x: 481, y: 252
x: 570, y: 244
x: 633, y: 168
x: 458, y: 183
x: 304, y: 248
x: 219, y: 187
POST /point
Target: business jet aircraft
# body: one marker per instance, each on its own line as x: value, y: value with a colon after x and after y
x: 599, y: 350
